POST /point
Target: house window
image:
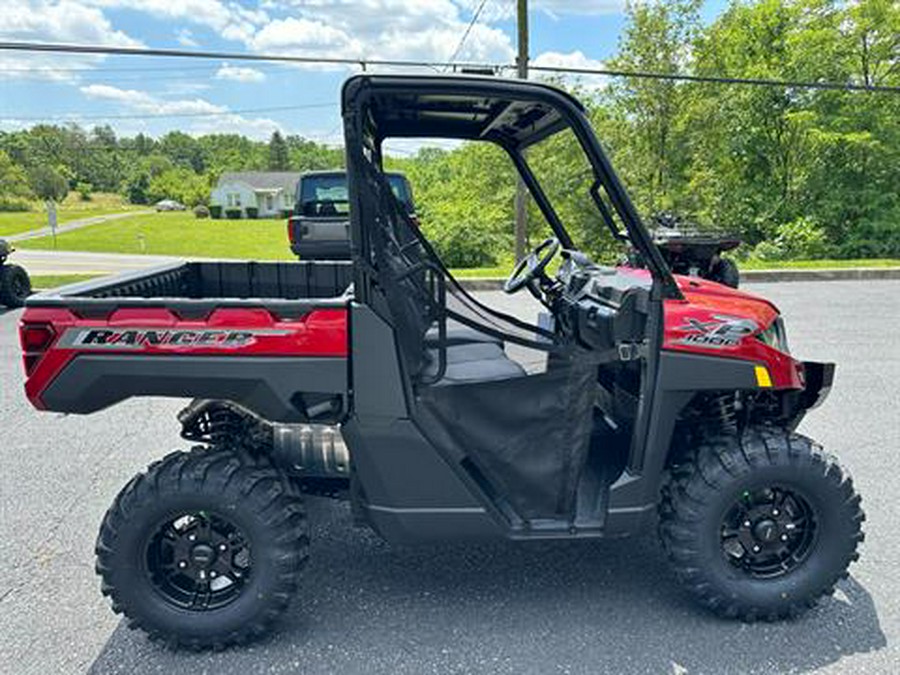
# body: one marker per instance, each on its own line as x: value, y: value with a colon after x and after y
x: 233, y: 199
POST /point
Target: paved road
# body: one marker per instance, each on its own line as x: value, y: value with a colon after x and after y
x: 76, y: 224
x: 367, y: 607
x: 40, y: 262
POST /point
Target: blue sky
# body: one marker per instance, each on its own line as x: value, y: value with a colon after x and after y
x: 156, y: 95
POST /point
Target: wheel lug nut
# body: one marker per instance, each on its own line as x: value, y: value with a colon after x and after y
x: 746, y: 523
x: 775, y: 512
x: 182, y: 564
x: 212, y: 574
x: 192, y: 537
x: 222, y: 547
x: 756, y: 549
x: 784, y: 537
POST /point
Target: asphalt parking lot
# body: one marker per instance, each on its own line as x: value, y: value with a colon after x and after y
x: 367, y: 607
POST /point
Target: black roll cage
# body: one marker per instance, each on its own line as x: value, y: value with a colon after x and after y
x: 459, y: 107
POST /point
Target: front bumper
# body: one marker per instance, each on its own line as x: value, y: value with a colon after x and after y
x: 817, y: 378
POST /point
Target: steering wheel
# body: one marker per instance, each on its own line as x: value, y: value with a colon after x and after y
x: 532, y: 266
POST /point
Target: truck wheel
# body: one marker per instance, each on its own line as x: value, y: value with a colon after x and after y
x: 726, y: 272
x: 204, y: 549
x: 15, y: 286
x: 760, y: 527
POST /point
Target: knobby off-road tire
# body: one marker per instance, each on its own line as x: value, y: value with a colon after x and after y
x: 728, y: 473
x: 15, y: 286
x: 226, y: 512
x: 726, y: 272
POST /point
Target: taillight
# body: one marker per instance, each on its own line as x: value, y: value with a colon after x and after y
x: 35, y: 338
x: 290, y: 227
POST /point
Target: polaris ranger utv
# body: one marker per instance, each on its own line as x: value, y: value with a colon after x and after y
x: 647, y: 392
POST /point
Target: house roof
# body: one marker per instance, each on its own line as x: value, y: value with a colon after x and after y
x: 263, y: 180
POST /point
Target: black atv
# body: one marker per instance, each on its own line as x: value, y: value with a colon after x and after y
x: 692, y: 251
x: 15, y: 285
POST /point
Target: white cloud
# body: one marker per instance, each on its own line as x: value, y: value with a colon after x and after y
x: 66, y: 21
x: 201, y: 116
x: 145, y: 103
x: 239, y: 74
x: 186, y: 38
x: 423, y: 30
x: 496, y: 11
x: 230, y: 19
x: 576, y: 60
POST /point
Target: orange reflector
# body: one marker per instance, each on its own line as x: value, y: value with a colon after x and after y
x: 762, y: 376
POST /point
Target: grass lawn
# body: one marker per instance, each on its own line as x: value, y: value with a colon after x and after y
x: 178, y: 234
x: 816, y: 264
x: 42, y: 282
x: 72, y: 208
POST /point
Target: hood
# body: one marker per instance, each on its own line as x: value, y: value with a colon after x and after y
x: 714, y: 316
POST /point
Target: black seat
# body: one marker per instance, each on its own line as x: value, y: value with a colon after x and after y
x: 473, y: 362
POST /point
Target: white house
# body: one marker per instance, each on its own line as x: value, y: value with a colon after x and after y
x: 269, y: 192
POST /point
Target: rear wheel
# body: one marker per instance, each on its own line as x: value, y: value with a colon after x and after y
x: 15, y: 286
x: 204, y: 549
x: 726, y: 272
x: 760, y: 526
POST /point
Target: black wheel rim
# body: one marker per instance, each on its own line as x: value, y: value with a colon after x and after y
x: 769, y: 532
x: 199, y: 561
x: 19, y: 287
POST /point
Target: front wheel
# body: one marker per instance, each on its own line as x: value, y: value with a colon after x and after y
x: 761, y: 526
x: 204, y: 549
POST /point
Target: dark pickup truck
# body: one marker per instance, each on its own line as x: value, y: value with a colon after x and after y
x: 214, y: 330
x: 319, y: 226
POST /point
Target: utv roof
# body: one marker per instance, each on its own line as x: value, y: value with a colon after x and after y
x: 512, y: 112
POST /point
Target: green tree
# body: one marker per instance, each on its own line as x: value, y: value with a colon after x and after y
x: 48, y: 184
x: 14, y: 188
x: 278, y: 153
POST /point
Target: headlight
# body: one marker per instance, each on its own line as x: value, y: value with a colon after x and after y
x: 775, y: 336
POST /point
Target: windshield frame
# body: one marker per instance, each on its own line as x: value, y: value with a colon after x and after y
x: 499, y: 110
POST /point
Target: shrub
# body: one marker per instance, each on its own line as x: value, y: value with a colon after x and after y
x: 801, y: 239
x: 201, y: 211
x: 215, y: 211
x: 84, y: 191
x: 287, y: 213
x: 233, y: 214
x: 871, y: 239
x: 465, y: 246
x: 252, y: 212
x: 14, y: 205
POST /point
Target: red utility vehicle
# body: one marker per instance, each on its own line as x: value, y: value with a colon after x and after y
x: 643, y: 392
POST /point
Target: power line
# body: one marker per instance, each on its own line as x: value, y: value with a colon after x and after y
x: 712, y: 79
x: 212, y: 113
x: 468, y: 30
x: 364, y: 62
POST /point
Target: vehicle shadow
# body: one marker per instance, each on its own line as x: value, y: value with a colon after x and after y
x: 602, y: 607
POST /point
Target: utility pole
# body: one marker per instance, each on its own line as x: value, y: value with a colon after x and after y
x: 521, y: 191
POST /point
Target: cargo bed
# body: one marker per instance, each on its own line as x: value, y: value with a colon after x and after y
x: 254, y: 333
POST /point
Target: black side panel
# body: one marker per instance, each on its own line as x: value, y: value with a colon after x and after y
x: 265, y: 385
x: 636, y: 492
x: 409, y: 492
x: 378, y: 387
